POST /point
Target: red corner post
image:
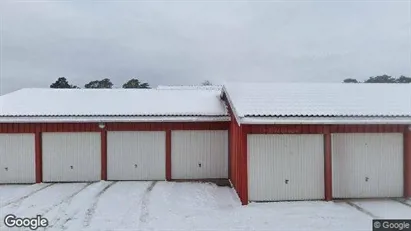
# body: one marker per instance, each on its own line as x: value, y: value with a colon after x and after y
x: 168, y: 155
x: 244, y: 166
x: 38, y: 157
x: 407, y: 162
x: 327, y: 165
x: 103, y: 154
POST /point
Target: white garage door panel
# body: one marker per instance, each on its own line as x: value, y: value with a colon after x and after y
x: 367, y: 165
x: 71, y: 156
x: 285, y: 167
x: 136, y: 155
x: 199, y: 154
x: 17, y: 158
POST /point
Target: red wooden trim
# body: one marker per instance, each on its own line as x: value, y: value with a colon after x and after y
x: 38, y: 157
x: 168, y: 155
x: 103, y: 155
x: 229, y: 133
x: 283, y: 129
x: 93, y: 127
x: 319, y: 129
x: 328, y: 167
x: 162, y: 126
x: 243, y: 169
x: 407, y: 163
x: 158, y: 126
x: 48, y: 127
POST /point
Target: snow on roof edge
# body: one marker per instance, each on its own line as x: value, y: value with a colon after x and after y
x: 99, y: 119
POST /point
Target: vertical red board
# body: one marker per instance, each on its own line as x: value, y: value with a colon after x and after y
x: 327, y: 167
x: 168, y: 154
x: 38, y: 157
x: 306, y: 129
x: 407, y: 163
x: 103, y: 135
x: 9, y: 128
x: 362, y: 128
x: 373, y: 128
x: 244, y: 167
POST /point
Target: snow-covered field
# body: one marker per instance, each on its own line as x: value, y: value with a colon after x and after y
x: 182, y: 206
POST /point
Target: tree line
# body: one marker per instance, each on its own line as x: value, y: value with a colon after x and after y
x: 381, y: 79
x: 62, y: 82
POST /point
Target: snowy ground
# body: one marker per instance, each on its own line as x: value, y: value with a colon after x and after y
x: 182, y: 206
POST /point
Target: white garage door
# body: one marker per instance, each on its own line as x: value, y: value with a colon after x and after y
x: 136, y: 155
x: 17, y: 158
x: 285, y: 167
x: 199, y: 154
x: 71, y: 156
x: 367, y: 165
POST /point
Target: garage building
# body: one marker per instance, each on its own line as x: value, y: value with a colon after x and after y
x: 319, y: 141
x: 82, y: 135
x: 274, y: 141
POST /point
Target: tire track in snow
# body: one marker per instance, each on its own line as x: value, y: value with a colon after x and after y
x: 17, y: 202
x: 145, y: 201
x: 66, y: 199
x: 402, y: 201
x: 62, y: 210
x: 359, y: 208
x: 90, y: 211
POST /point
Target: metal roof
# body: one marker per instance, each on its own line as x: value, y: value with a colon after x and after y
x: 319, y: 99
x: 111, y: 103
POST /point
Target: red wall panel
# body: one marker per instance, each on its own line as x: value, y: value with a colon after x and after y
x: 238, y: 160
x: 238, y: 157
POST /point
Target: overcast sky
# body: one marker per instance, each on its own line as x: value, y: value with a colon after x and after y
x: 185, y: 42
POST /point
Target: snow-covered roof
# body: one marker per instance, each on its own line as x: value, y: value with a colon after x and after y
x: 256, y: 100
x: 190, y: 87
x: 100, y: 103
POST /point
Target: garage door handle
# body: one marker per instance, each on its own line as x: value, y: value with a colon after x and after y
x: 199, y: 165
x: 71, y: 166
x: 286, y: 181
x: 135, y: 165
x: 7, y: 169
x: 366, y: 179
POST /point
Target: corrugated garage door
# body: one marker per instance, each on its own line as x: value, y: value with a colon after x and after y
x: 71, y: 156
x: 367, y: 165
x: 199, y: 154
x: 17, y: 158
x: 136, y: 155
x: 285, y: 167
